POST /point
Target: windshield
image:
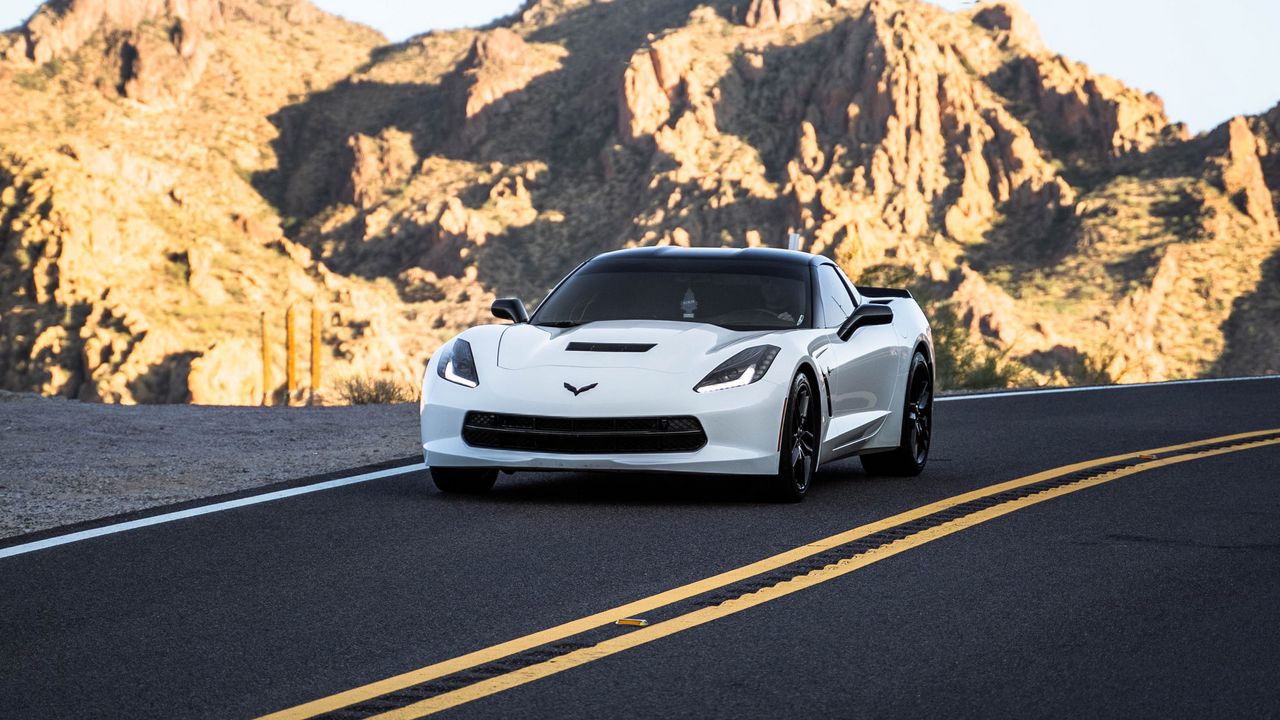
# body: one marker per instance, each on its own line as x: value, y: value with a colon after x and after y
x: 738, y: 294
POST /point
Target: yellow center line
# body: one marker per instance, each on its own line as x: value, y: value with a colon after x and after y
x: 684, y: 592
x: 705, y: 615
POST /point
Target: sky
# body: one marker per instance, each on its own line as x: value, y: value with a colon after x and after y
x: 1208, y: 59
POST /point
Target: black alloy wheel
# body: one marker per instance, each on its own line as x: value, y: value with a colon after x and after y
x: 799, y: 455
x: 920, y: 413
x: 912, y: 453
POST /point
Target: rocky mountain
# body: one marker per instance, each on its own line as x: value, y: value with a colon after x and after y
x: 171, y: 169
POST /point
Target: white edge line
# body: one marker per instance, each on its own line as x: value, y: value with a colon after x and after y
x: 204, y: 510
x: 1091, y: 388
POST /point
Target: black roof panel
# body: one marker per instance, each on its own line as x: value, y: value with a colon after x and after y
x: 776, y: 255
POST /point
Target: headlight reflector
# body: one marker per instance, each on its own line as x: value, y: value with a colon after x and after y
x: 744, y: 368
x: 458, y: 365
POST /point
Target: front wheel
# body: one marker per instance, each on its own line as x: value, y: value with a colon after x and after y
x: 799, y: 453
x: 464, y: 481
x: 909, y: 458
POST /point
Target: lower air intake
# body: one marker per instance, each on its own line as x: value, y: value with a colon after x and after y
x: 583, y: 435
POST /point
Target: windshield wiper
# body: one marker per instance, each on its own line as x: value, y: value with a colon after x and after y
x: 558, y: 324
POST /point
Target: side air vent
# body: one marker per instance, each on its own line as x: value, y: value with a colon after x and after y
x: 609, y: 347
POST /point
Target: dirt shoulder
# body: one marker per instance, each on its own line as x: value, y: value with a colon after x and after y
x: 67, y: 461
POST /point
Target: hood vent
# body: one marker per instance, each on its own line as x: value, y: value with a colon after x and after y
x: 609, y: 347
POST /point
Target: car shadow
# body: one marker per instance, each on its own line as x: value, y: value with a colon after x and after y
x: 653, y: 489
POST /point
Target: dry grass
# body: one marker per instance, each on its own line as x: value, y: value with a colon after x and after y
x: 376, y: 391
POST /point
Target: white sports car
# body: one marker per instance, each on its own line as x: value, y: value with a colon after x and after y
x: 754, y: 362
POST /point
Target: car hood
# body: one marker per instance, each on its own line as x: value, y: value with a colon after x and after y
x: 678, y: 347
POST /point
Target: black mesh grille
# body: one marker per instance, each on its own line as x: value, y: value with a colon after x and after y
x: 583, y: 435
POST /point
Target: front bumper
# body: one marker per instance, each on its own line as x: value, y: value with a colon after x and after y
x: 741, y: 424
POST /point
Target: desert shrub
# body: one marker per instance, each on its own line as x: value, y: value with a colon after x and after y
x: 965, y: 365
x: 1095, y: 369
x: 33, y: 80
x: 378, y: 391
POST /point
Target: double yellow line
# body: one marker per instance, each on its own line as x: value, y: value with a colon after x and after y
x: 1137, y: 462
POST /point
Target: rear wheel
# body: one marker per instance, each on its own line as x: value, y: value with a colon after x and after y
x: 911, y: 455
x: 464, y: 481
x: 799, y: 453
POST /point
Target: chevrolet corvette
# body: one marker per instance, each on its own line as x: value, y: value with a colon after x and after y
x: 750, y: 362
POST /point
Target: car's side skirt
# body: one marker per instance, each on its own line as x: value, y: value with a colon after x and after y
x: 848, y: 434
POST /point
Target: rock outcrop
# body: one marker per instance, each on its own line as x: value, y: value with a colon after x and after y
x: 60, y: 28
x: 987, y: 312
x: 158, y: 49
x: 499, y: 63
x: 651, y: 83
x: 1242, y: 177
x: 378, y: 163
x: 779, y: 13
x: 1098, y: 117
x: 493, y: 68
x: 1010, y: 19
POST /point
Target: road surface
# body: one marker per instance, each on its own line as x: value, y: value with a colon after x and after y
x: 1045, y: 565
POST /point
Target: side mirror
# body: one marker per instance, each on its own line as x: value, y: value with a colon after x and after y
x: 510, y: 309
x: 866, y: 314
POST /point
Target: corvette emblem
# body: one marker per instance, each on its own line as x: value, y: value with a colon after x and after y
x: 578, y: 391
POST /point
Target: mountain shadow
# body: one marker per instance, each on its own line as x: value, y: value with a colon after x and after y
x: 1252, y: 331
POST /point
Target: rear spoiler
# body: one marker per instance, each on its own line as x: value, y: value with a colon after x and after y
x: 879, y: 292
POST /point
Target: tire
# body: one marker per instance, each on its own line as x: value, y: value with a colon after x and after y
x: 799, y: 455
x: 464, y: 481
x: 912, y: 453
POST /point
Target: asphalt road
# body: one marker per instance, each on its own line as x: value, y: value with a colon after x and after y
x: 1155, y: 594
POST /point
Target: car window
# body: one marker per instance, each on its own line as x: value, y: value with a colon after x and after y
x: 735, y: 294
x: 837, y: 303
x: 853, y: 289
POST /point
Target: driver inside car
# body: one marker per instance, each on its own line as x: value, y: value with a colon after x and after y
x: 782, y: 299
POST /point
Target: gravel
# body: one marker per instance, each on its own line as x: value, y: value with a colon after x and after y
x: 65, y: 461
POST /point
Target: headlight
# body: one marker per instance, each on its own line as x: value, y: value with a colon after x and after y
x: 744, y: 368
x: 457, y: 365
